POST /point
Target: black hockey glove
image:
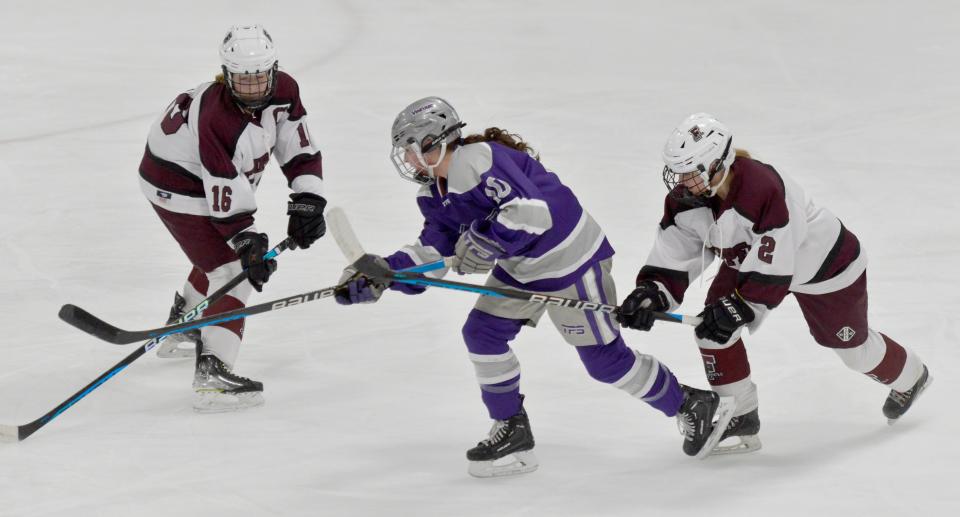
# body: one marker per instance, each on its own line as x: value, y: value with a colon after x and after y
x: 251, y: 247
x: 637, y: 309
x: 723, y: 318
x: 306, y: 223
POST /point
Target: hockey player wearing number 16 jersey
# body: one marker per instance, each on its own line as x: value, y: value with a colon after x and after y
x: 493, y: 206
x: 200, y: 170
x: 772, y: 240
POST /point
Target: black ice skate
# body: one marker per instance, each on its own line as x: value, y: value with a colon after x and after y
x: 744, y: 428
x: 899, y: 402
x: 702, y: 418
x: 183, y: 344
x: 217, y: 389
x: 507, y: 451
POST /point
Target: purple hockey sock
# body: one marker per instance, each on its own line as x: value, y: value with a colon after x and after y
x: 497, y: 369
x: 665, y: 394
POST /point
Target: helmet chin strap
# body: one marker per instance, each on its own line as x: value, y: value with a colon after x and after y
x: 423, y: 160
x: 711, y: 190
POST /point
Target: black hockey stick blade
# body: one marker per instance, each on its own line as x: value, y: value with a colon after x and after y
x: 91, y: 324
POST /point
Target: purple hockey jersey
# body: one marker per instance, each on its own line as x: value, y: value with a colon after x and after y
x: 549, y: 239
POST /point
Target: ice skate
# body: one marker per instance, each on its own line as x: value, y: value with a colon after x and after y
x: 744, y: 429
x: 217, y: 389
x: 899, y: 402
x: 702, y: 418
x: 507, y: 451
x: 182, y: 344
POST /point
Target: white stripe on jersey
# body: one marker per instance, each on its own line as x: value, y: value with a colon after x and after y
x: 174, y: 202
x: 566, y: 257
x: 527, y: 215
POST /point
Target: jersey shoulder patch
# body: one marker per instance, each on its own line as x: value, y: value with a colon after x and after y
x: 759, y: 195
x: 467, y: 164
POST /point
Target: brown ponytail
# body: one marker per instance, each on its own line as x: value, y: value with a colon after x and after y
x: 502, y: 137
x: 743, y: 153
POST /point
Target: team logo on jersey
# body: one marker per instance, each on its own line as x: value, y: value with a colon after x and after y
x: 496, y: 189
x: 576, y: 330
x: 846, y: 334
x: 710, y: 367
x: 696, y: 133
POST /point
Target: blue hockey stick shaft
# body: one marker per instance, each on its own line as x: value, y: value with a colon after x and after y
x: 367, y: 266
x: 21, y: 432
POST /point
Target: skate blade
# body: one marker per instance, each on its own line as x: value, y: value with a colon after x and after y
x: 724, y: 414
x: 521, y: 462
x: 172, y: 349
x: 746, y: 444
x: 217, y: 402
x: 891, y: 421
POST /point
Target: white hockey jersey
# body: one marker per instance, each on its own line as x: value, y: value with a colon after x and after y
x: 204, y: 155
x: 767, y: 229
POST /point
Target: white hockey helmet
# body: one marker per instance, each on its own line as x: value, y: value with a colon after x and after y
x: 701, y: 144
x: 248, y: 55
x: 420, y: 128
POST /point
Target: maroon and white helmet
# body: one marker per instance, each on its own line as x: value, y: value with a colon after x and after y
x: 701, y: 144
x: 249, y: 50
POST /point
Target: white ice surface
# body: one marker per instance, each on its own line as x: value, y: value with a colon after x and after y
x: 370, y: 409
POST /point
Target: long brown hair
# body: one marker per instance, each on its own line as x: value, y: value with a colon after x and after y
x: 503, y: 137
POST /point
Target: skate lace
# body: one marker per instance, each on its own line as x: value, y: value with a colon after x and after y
x: 497, y: 432
x: 226, y: 372
x: 685, y: 425
x: 901, y: 398
x: 234, y: 377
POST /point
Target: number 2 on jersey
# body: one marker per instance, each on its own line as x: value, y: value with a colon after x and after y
x: 765, y: 252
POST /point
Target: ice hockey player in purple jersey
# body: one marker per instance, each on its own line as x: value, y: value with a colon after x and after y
x: 772, y: 240
x: 489, y: 202
x: 200, y: 170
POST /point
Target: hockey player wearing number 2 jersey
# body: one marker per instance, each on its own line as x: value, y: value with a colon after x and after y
x: 200, y: 170
x: 490, y: 204
x: 773, y: 241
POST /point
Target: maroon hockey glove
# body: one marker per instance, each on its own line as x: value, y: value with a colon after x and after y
x: 723, y: 318
x: 251, y: 247
x: 637, y: 309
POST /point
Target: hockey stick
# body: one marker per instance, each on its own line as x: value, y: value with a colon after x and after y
x: 350, y: 246
x: 97, y: 327
x: 368, y: 265
x: 11, y: 433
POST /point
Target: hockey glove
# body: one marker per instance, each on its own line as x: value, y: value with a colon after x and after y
x: 475, y: 253
x: 251, y: 247
x: 355, y: 287
x: 306, y: 223
x: 723, y: 318
x: 637, y: 309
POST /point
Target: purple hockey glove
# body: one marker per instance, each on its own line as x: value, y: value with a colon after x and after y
x: 356, y: 288
x: 475, y: 253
